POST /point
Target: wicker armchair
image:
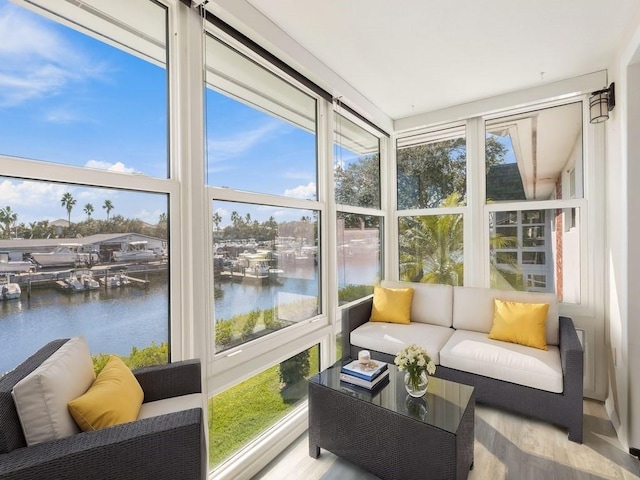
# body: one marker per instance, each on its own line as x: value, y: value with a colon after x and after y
x: 170, y: 446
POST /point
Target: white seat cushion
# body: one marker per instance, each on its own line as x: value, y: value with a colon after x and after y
x: 41, y: 397
x: 473, y: 308
x: 431, y: 303
x: 170, y: 405
x: 392, y: 337
x: 475, y: 352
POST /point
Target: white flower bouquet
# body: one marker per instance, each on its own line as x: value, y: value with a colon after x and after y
x: 415, y: 360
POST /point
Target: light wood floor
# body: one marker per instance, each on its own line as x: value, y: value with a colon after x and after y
x: 506, y: 446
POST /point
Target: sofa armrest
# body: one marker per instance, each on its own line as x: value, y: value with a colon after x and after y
x: 164, y: 447
x: 169, y: 380
x: 352, y: 317
x: 571, y: 356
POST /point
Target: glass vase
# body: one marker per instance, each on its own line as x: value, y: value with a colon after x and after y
x: 416, y: 385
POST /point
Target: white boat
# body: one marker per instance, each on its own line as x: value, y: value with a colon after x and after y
x: 7, y: 265
x: 135, y: 252
x: 80, y: 281
x: 66, y: 254
x: 9, y: 290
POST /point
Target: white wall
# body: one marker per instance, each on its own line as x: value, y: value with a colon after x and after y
x: 622, y: 311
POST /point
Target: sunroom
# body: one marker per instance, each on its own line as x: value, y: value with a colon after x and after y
x: 277, y: 170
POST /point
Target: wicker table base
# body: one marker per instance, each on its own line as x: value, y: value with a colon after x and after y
x: 379, y: 434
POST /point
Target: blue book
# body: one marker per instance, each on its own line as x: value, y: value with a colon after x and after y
x: 369, y: 372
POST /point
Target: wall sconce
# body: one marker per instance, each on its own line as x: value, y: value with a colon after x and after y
x: 601, y: 103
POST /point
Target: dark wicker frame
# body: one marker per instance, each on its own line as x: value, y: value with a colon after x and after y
x: 562, y: 409
x: 166, y: 447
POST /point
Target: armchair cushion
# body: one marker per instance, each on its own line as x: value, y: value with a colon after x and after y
x: 114, y: 398
x: 41, y: 397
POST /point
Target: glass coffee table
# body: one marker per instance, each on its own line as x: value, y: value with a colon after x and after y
x: 389, y: 433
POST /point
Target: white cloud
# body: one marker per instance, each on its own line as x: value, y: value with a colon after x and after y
x: 36, y: 60
x: 240, y: 142
x: 307, y: 192
x: 111, y: 167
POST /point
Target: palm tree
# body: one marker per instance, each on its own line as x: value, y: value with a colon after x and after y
x: 217, y: 219
x: 108, y: 206
x: 68, y: 202
x: 88, y: 209
x: 431, y: 248
x: 8, y: 218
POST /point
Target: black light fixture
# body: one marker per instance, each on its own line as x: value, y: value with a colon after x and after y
x: 601, y: 103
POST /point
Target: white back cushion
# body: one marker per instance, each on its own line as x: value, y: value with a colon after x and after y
x: 431, y: 303
x: 473, y: 308
x: 41, y: 397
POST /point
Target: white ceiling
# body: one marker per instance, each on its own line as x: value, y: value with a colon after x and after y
x: 414, y: 56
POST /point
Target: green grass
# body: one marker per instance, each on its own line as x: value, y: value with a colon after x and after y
x: 241, y: 413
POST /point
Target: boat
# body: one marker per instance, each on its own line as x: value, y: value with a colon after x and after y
x: 115, y: 281
x: 9, y: 290
x: 66, y: 254
x: 135, y: 252
x: 79, y: 281
x: 10, y: 266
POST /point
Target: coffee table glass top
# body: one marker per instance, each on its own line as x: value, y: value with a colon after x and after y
x: 442, y: 406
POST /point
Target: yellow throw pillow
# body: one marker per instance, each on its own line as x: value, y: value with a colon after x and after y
x: 521, y: 323
x: 391, y: 305
x: 114, y: 398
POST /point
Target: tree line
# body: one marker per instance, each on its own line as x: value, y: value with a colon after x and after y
x: 112, y: 224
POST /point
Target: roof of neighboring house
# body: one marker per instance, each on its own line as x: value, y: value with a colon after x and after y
x: 504, y: 183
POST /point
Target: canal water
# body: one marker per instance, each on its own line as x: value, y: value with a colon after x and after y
x: 116, y: 319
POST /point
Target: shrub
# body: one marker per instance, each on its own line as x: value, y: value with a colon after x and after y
x: 250, y: 323
x: 223, y: 332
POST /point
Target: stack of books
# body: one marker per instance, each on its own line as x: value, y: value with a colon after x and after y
x: 367, y: 375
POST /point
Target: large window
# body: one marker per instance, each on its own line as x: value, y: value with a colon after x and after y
x: 432, y: 189
x: 261, y: 175
x: 540, y: 161
x: 84, y: 248
x: 359, y: 233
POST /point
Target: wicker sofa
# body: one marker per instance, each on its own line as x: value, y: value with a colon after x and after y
x: 168, y: 446
x: 453, y: 323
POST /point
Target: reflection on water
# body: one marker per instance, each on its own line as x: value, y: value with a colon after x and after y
x: 116, y: 319
x: 112, y: 320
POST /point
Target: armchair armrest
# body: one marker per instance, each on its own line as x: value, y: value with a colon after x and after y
x: 169, y: 380
x: 352, y: 317
x: 164, y: 447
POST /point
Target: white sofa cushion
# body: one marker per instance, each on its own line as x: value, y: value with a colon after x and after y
x: 392, y: 337
x: 473, y: 308
x: 432, y: 304
x: 474, y: 352
x: 41, y: 397
x: 170, y: 405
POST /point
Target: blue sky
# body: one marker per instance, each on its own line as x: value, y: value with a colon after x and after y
x: 68, y: 98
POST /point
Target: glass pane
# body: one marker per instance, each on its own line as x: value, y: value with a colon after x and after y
x: 86, y: 261
x: 60, y: 85
x: 542, y: 258
x: 258, y: 127
x: 431, y: 249
x: 245, y: 411
x: 432, y: 172
x: 356, y: 165
x: 535, y: 155
x: 359, y: 255
x: 266, y: 272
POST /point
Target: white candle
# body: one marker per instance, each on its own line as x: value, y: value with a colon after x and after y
x: 364, y: 356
